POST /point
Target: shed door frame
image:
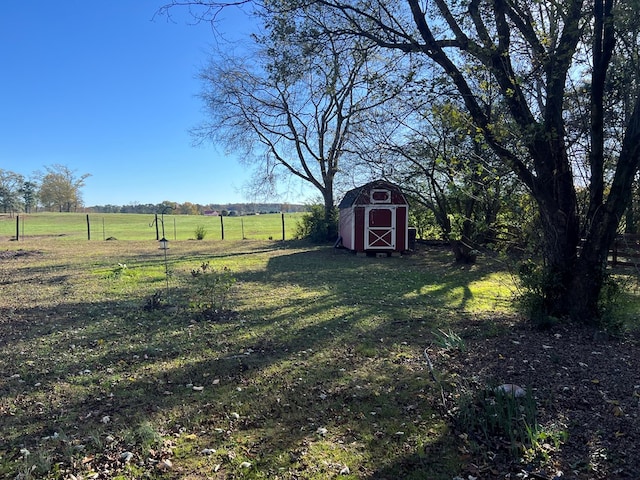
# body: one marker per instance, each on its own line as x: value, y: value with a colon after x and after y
x: 380, y: 237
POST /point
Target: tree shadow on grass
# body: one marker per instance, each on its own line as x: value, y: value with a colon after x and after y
x: 328, y: 378
x: 282, y: 394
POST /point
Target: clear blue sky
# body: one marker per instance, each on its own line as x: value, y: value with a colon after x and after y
x: 103, y: 87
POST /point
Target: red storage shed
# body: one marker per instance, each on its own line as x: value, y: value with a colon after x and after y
x: 374, y: 218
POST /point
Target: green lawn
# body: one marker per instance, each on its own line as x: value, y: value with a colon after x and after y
x: 316, y: 369
x: 73, y: 226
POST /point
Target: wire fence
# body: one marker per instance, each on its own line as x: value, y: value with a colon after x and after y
x: 114, y: 226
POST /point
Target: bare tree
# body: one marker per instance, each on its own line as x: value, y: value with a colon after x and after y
x: 290, y: 108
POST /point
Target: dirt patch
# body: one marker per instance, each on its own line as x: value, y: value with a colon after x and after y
x: 9, y: 254
x: 586, y: 387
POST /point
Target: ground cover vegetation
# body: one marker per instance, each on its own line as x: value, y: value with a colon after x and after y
x: 263, y: 359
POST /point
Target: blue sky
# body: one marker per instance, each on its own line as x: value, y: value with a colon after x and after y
x: 103, y: 87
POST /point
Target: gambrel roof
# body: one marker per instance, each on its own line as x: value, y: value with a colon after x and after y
x: 352, y: 195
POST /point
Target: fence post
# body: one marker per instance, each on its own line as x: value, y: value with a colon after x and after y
x: 157, y: 230
x: 282, y: 226
x: 17, y: 228
x: 221, y: 227
x: 88, y: 228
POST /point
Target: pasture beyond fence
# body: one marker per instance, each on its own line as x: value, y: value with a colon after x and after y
x: 130, y: 226
x: 626, y: 250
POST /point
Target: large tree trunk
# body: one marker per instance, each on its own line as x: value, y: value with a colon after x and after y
x: 329, y: 212
x: 589, y: 273
x: 560, y: 254
x: 580, y: 277
x: 584, y: 292
x: 590, y: 270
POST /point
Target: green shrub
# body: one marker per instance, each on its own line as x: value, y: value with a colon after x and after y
x: 200, y: 232
x: 535, y: 283
x: 539, y: 288
x: 315, y: 226
x: 611, y: 305
x: 424, y: 221
x: 212, y: 288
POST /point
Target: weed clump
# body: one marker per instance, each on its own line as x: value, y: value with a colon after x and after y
x: 200, y: 232
x: 500, y: 419
x: 212, y: 289
x: 154, y: 302
x: 449, y: 340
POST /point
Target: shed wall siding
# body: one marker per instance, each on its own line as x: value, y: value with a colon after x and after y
x: 347, y: 227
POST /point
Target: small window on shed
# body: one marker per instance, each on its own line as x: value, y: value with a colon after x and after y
x: 380, y: 196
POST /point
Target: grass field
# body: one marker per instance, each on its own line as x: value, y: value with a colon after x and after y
x: 126, y: 226
x: 296, y: 362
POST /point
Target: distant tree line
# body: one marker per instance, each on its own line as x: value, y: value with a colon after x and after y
x: 188, y: 208
x: 59, y: 189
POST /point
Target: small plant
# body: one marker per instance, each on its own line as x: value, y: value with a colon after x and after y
x: 124, y: 275
x: 154, y: 302
x: 212, y: 288
x: 118, y: 271
x: 144, y: 436
x: 200, y: 232
x: 35, y: 465
x: 542, y: 442
x: 534, y: 298
x: 497, y: 417
x: 610, y: 305
x: 449, y: 340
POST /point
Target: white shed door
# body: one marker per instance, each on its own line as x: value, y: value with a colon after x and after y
x: 380, y: 228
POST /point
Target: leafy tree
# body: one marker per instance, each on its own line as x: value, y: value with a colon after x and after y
x: 632, y: 217
x: 29, y: 192
x: 623, y: 85
x: 60, y: 189
x: 445, y: 166
x: 187, y: 208
x: 167, y: 207
x: 10, y: 183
